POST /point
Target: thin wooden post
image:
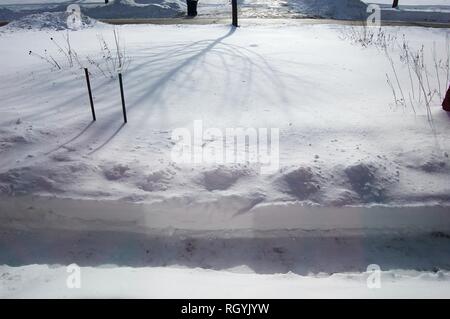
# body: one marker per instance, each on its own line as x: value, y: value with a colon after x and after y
x: 123, y: 99
x: 395, y: 4
x: 90, y: 93
x: 234, y: 13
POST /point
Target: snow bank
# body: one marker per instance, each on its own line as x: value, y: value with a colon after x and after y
x: 162, y: 282
x: 8, y: 15
x: 128, y: 9
x: 357, y: 183
x: 48, y: 21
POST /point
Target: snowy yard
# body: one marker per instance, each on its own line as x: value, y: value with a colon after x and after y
x: 361, y: 173
x: 340, y: 133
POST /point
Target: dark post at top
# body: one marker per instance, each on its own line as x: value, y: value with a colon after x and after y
x: 234, y: 13
x: 91, y: 100
x: 124, y: 110
x: 395, y: 4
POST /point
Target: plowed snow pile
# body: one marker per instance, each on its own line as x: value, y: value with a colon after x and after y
x: 48, y: 21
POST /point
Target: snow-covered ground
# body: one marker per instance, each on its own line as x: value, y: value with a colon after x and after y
x: 363, y: 178
x: 162, y: 282
x: 343, y: 141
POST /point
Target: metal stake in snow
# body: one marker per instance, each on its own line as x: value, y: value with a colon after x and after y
x: 234, y: 13
x: 123, y: 99
x: 90, y: 93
